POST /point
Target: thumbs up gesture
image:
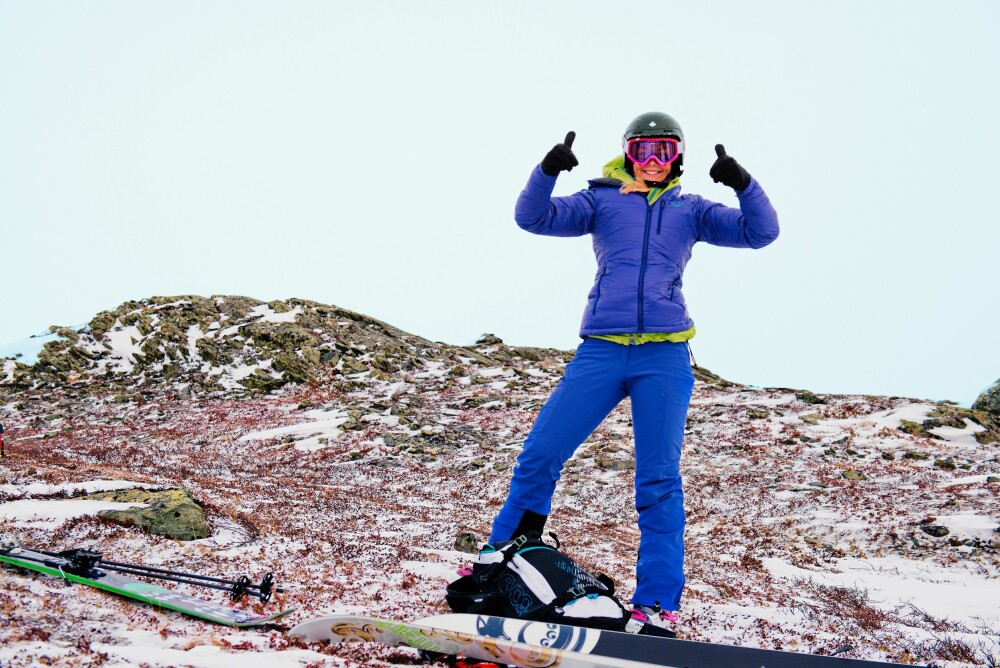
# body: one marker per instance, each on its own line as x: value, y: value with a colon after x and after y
x: 561, y: 157
x: 727, y: 171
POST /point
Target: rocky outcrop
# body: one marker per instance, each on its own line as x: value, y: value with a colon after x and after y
x: 202, y: 346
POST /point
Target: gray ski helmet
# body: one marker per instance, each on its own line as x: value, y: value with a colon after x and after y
x: 654, y: 124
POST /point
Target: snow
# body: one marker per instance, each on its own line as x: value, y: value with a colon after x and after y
x: 26, y: 350
x: 7, y: 370
x: 958, y: 594
x: 965, y: 436
x: 193, y: 334
x: 148, y: 649
x: 983, y: 528
x: 308, y: 436
x: 125, y: 345
x: 364, y: 520
x: 70, y: 488
x: 49, y: 514
x: 267, y: 314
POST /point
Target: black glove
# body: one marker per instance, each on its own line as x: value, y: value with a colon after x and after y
x: 561, y: 157
x: 728, y: 171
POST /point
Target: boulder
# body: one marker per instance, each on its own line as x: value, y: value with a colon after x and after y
x: 989, y: 401
x: 171, y: 512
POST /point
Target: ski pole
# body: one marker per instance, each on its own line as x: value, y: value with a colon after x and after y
x: 237, y: 590
x: 86, y: 560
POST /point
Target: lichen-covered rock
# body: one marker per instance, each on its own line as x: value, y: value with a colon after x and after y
x: 989, y: 401
x: 101, y: 323
x: 262, y: 381
x: 295, y: 369
x: 809, y: 397
x: 467, y: 542
x: 172, y: 512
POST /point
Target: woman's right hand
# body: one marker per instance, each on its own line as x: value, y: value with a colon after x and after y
x: 561, y: 157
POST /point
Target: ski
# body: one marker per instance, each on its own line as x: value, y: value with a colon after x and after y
x: 116, y: 583
x: 434, y: 641
x: 647, y: 649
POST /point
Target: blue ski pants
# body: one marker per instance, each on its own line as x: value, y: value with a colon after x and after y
x: 658, y: 379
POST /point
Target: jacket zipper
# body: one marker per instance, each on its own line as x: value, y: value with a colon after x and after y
x: 597, y: 297
x: 642, y: 266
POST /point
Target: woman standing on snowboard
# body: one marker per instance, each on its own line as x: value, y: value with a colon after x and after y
x: 635, y: 331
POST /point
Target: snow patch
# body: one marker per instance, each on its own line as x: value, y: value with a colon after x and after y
x: 148, y: 649
x: 124, y: 346
x: 180, y: 302
x: 267, y: 314
x: 307, y: 435
x: 193, y: 334
x: 49, y: 514
x: 956, y: 593
x: 73, y: 488
x: 8, y: 371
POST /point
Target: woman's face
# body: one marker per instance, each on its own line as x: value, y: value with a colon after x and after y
x: 652, y: 171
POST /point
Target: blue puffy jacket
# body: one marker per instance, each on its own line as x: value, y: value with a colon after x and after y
x: 642, y: 247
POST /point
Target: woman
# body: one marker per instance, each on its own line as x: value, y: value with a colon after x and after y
x: 635, y: 331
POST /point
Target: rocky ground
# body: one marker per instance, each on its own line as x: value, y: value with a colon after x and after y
x: 358, y: 462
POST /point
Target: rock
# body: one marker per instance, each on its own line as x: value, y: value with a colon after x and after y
x: 811, y: 418
x: 945, y: 464
x: 467, y: 542
x: 988, y: 436
x: 488, y: 340
x: 262, y: 381
x: 935, y: 530
x: 918, y: 456
x: 992, y: 479
x: 171, y: 512
x: 989, y: 401
x: 615, y: 464
x: 756, y: 413
x: 809, y: 398
x: 854, y: 475
x: 914, y: 428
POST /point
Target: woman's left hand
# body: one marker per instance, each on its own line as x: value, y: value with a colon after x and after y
x: 728, y: 171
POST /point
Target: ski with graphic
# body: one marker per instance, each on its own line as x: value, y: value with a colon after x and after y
x: 434, y: 641
x: 92, y: 574
x: 646, y: 649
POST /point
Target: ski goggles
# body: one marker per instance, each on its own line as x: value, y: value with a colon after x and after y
x: 663, y: 150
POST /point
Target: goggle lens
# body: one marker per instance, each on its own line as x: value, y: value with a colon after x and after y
x: 663, y: 150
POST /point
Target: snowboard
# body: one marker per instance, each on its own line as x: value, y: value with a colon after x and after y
x: 338, y: 629
x: 647, y: 649
x: 155, y: 595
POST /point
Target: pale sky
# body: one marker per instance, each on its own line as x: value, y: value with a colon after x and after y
x: 369, y: 155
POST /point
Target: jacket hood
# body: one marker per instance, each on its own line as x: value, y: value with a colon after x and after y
x: 615, y: 169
